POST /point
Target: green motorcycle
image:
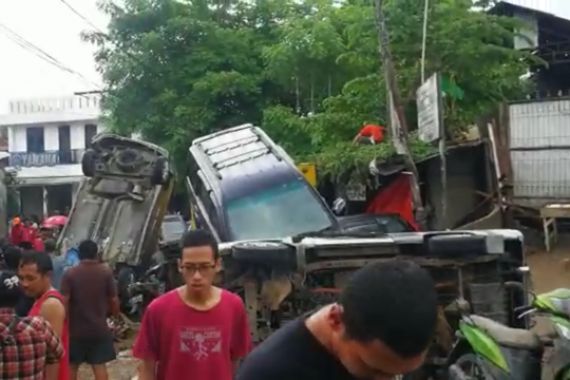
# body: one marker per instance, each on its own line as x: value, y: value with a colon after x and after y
x: 488, y: 350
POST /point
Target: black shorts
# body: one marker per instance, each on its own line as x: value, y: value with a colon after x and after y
x: 92, y: 351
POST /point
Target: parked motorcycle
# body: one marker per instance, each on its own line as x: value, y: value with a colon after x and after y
x: 154, y: 282
x: 488, y: 350
x: 142, y: 292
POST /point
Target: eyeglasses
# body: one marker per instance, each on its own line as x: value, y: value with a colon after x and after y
x: 201, y: 268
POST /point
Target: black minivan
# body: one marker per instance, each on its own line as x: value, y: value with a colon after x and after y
x: 243, y: 186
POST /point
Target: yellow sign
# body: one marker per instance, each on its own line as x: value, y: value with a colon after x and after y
x: 309, y: 170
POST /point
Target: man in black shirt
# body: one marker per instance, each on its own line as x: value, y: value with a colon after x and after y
x: 380, y: 328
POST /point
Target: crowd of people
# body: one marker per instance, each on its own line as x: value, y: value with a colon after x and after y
x: 52, y: 322
x: 26, y: 234
x: 381, y: 326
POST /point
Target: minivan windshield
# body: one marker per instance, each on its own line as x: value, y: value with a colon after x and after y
x: 287, y: 209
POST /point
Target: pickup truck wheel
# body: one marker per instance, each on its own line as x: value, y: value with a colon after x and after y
x: 160, y: 172
x: 88, y: 163
x: 268, y: 254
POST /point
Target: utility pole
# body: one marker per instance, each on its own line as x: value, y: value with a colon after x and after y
x: 398, y: 117
x: 442, y: 136
x: 424, y: 40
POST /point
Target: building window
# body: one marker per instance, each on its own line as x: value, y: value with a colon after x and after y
x: 64, y: 136
x: 59, y: 199
x: 3, y: 138
x: 35, y: 139
x: 90, y: 132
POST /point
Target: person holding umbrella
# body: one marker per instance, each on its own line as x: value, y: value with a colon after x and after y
x: 54, y: 225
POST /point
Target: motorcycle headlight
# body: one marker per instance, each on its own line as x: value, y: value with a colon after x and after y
x: 562, y: 330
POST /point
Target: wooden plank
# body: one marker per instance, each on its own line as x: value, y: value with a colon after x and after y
x: 555, y: 211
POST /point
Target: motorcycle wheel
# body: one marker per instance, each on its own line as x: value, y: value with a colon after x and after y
x: 471, y: 367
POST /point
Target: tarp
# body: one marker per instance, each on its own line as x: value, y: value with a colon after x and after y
x: 396, y: 198
x: 55, y: 221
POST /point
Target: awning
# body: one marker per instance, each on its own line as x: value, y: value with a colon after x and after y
x: 46, y: 175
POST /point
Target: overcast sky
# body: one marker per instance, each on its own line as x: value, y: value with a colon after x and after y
x: 54, y: 28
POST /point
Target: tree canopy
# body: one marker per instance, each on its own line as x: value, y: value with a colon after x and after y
x: 308, y: 72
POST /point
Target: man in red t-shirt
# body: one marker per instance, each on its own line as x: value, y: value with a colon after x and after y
x: 197, y: 331
x: 372, y: 133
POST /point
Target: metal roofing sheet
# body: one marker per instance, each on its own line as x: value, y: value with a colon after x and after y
x: 558, y: 8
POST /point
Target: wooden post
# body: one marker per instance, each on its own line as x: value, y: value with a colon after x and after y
x: 45, y: 201
x: 444, y: 223
x: 504, y: 153
x: 400, y: 125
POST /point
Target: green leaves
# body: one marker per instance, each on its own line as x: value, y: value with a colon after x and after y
x: 307, y: 71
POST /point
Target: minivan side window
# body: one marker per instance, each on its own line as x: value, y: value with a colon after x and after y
x: 204, y: 196
x: 212, y: 211
x: 198, y: 185
x: 193, y: 173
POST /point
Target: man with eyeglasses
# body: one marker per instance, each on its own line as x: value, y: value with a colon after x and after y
x: 197, y: 331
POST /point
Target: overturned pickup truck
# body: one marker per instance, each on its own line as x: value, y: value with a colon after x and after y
x: 282, y: 279
x: 121, y: 205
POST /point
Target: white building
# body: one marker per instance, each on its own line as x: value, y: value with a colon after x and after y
x: 46, y: 140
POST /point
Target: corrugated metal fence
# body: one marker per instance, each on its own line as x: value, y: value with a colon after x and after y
x: 540, y: 151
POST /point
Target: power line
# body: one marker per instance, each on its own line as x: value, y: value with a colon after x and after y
x: 30, y: 47
x: 81, y: 16
x: 22, y: 42
x: 40, y: 53
x: 102, y: 33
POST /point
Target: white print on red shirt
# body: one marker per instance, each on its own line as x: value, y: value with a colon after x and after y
x: 200, y: 342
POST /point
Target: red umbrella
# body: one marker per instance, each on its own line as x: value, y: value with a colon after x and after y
x: 55, y: 221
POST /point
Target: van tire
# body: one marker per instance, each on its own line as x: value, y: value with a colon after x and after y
x: 88, y: 162
x: 160, y: 172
